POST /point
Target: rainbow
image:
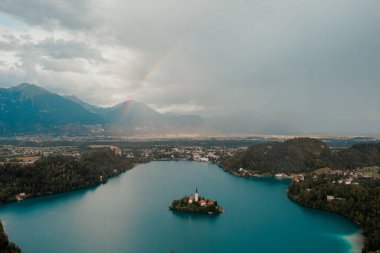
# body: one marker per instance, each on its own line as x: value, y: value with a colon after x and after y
x: 163, y: 57
x: 128, y: 107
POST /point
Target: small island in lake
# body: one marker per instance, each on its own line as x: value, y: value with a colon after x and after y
x: 196, y: 204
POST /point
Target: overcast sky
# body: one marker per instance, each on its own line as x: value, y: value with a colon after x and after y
x: 313, y: 65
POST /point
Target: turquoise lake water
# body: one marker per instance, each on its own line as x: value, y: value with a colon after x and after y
x: 130, y: 214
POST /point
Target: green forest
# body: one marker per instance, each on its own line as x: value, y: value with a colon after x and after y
x: 360, y: 203
x: 56, y: 174
x: 301, y: 155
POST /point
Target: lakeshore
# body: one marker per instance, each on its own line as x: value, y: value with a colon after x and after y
x: 126, y: 198
x: 356, y: 242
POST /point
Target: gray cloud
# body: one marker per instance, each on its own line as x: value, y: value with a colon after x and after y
x: 312, y: 65
x: 69, y: 14
x: 62, y: 49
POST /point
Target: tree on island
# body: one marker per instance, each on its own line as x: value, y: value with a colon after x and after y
x: 203, y: 205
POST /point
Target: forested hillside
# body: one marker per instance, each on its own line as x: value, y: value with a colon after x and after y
x: 301, y: 155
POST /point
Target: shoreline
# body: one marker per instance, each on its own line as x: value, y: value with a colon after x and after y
x: 66, y: 191
x: 356, y: 241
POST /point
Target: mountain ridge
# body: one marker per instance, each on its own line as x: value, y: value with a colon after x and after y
x: 31, y: 109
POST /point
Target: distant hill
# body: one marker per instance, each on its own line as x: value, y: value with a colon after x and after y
x: 128, y: 118
x: 302, y: 154
x: 359, y: 155
x: 132, y: 118
x: 298, y: 154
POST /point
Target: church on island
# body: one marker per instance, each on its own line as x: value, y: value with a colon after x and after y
x: 196, y: 198
x: 196, y: 204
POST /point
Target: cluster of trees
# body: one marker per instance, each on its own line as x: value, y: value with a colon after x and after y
x: 57, y: 174
x: 300, y: 155
x: 360, y: 203
x: 359, y: 155
x: 5, y: 245
x: 183, y: 205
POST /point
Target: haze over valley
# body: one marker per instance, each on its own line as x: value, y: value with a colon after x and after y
x: 29, y: 109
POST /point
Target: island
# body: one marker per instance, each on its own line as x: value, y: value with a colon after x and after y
x: 196, y: 204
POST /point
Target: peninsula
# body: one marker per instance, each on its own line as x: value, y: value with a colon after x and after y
x: 196, y: 204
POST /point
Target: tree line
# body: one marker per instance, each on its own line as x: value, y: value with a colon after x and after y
x: 301, y: 155
x: 360, y: 203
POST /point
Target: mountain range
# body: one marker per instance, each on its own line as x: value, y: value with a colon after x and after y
x: 29, y: 109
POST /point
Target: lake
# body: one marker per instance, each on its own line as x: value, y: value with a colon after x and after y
x: 130, y: 214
